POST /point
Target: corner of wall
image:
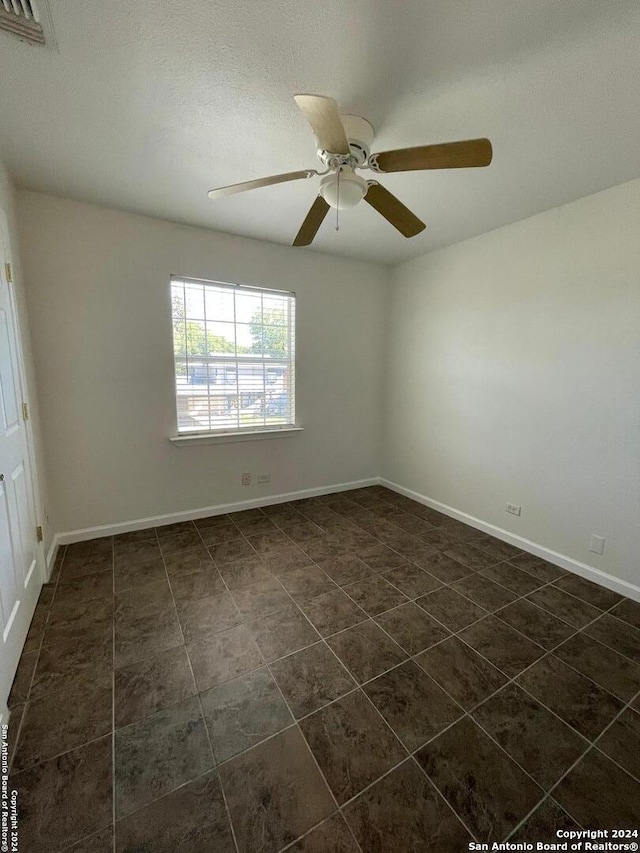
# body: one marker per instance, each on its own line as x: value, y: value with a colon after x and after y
x: 494, y: 348
x: 387, y: 346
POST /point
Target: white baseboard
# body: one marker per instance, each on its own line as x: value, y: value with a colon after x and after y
x: 191, y: 514
x: 52, y: 553
x: 589, y: 572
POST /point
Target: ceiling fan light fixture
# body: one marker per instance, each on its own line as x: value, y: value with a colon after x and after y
x: 351, y: 189
x: 344, y: 145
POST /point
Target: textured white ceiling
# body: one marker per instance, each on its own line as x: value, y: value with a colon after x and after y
x: 149, y: 104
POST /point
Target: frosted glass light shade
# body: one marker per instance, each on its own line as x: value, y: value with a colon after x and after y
x: 352, y: 190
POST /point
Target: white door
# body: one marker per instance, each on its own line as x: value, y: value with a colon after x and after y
x: 20, y: 579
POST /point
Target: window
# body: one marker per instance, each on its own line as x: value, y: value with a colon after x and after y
x: 234, y: 357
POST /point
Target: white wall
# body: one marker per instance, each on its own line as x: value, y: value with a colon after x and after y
x: 514, y: 375
x: 512, y: 371
x: 98, y: 292
x: 8, y: 205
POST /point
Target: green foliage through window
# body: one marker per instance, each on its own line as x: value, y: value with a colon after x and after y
x: 269, y: 333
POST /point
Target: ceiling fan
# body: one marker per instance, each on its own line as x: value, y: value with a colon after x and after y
x: 344, y: 143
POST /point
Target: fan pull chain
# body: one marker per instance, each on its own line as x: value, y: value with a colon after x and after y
x: 338, y: 203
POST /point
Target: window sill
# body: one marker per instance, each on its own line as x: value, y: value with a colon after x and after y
x: 230, y: 437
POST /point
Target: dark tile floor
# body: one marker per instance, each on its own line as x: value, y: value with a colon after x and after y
x: 354, y: 672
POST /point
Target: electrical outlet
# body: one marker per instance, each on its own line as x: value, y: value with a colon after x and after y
x: 246, y: 479
x: 514, y: 509
x: 263, y: 478
x: 597, y: 544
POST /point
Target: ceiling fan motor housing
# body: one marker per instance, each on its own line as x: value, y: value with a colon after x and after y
x: 360, y: 134
x: 343, y: 189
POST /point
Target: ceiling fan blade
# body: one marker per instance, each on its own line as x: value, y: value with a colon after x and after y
x: 466, y: 154
x: 312, y: 222
x: 261, y: 182
x: 393, y: 210
x: 323, y: 116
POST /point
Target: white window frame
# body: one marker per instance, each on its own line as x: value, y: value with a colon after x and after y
x: 240, y: 433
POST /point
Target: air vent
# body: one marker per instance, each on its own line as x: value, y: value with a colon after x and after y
x: 21, y: 19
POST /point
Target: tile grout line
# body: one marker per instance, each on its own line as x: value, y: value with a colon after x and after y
x: 547, y: 792
x: 113, y: 700
x: 370, y: 618
x: 610, y: 648
x: 77, y: 746
x: 199, y: 699
x: 219, y: 775
x: 292, y: 725
x: 66, y: 752
x: 551, y: 652
x: 25, y: 704
x: 512, y: 679
x: 465, y: 713
x: 144, y: 806
x: 162, y: 556
x: 411, y: 657
x: 296, y: 721
x: 546, y: 652
x: 410, y: 754
x: 539, y: 805
x: 114, y: 674
x: 571, y: 636
x: 200, y: 705
x: 291, y: 844
x: 74, y: 844
x: 296, y: 725
x: 441, y: 795
x: 351, y: 832
x: 92, y: 740
x: 592, y: 745
x: 358, y: 688
x: 293, y: 719
x: 410, y: 757
x: 406, y: 561
x: 577, y: 631
x: 39, y: 651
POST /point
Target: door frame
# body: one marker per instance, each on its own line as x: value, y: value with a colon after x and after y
x: 18, y: 319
